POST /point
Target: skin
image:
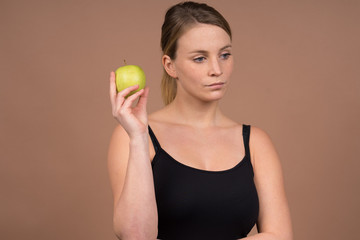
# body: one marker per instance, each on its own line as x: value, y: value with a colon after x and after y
x: 202, y: 69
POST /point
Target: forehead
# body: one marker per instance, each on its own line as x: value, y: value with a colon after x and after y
x: 203, y: 37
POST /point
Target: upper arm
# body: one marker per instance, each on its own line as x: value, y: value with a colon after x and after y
x: 274, y: 214
x: 118, y: 155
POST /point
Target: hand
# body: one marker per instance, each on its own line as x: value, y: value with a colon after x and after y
x: 132, y: 118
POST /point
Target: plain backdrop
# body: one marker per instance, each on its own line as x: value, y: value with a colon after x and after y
x: 296, y: 76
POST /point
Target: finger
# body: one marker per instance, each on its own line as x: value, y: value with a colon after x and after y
x: 127, y: 90
x: 144, y: 97
x: 122, y: 95
x: 112, y: 88
x: 131, y: 99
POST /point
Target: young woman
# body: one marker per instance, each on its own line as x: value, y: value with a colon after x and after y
x: 187, y: 171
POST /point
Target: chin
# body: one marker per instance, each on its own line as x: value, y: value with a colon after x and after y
x: 214, y: 96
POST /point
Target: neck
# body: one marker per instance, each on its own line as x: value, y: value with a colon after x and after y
x: 195, y: 113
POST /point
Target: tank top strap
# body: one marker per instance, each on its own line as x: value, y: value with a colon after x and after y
x: 154, y: 139
x: 246, y: 137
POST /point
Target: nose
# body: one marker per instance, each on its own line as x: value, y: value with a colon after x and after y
x: 215, y: 68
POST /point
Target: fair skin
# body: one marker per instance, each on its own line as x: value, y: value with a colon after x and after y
x: 202, y: 69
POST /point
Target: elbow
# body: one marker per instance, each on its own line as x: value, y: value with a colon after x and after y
x: 134, y: 235
x: 286, y: 237
x: 289, y: 236
x: 130, y: 231
x: 282, y: 236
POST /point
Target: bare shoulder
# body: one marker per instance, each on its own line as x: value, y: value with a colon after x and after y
x: 259, y: 135
x: 119, y: 143
x: 119, y: 132
x: 119, y: 140
x: 118, y: 159
x: 261, y: 145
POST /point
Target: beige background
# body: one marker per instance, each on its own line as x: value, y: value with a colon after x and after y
x: 296, y: 76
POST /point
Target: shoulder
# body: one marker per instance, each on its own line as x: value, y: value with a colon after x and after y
x: 118, y: 146
x: 119, y: 135
x: 259, y: 137
x: 262, y: 148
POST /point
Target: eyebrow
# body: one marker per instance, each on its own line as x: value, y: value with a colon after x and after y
x: 203, y: 51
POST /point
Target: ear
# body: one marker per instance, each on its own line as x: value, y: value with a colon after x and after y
x: 169, y: 66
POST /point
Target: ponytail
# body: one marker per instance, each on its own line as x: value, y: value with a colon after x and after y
x: 168, y: 88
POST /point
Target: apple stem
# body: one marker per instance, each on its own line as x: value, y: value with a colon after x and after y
x: 125, y: 62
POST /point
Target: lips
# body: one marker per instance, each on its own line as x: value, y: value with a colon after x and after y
x: 216, y: 84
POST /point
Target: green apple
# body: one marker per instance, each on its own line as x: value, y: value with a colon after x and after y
x: 129, y: 75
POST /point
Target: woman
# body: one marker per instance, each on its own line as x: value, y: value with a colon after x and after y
x: 187, y: 171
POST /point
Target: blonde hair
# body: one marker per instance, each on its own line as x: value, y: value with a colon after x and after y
x: 178, y: 19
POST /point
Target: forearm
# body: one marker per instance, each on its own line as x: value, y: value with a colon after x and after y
x: 136, y: 211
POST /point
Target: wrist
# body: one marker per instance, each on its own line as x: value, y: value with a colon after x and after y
x: 138, y: 138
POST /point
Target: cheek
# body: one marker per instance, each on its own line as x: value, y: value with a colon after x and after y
x: 228, y: 68
x: 188, y: 72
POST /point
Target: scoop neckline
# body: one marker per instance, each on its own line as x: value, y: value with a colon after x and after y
x: 241, y: 162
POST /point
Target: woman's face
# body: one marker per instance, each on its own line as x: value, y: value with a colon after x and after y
x: 203, y: 62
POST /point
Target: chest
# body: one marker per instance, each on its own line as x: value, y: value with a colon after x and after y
x: 207, y: 150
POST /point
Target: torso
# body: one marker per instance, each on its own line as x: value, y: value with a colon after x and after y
x: 203, y: 180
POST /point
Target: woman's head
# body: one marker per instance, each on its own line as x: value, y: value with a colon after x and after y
x: 178, y: 19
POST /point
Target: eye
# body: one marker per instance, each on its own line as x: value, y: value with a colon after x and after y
x: 225, y: 56
x: 199, y: 59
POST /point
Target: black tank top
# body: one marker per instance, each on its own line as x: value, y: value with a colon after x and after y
x: 199, y: 204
